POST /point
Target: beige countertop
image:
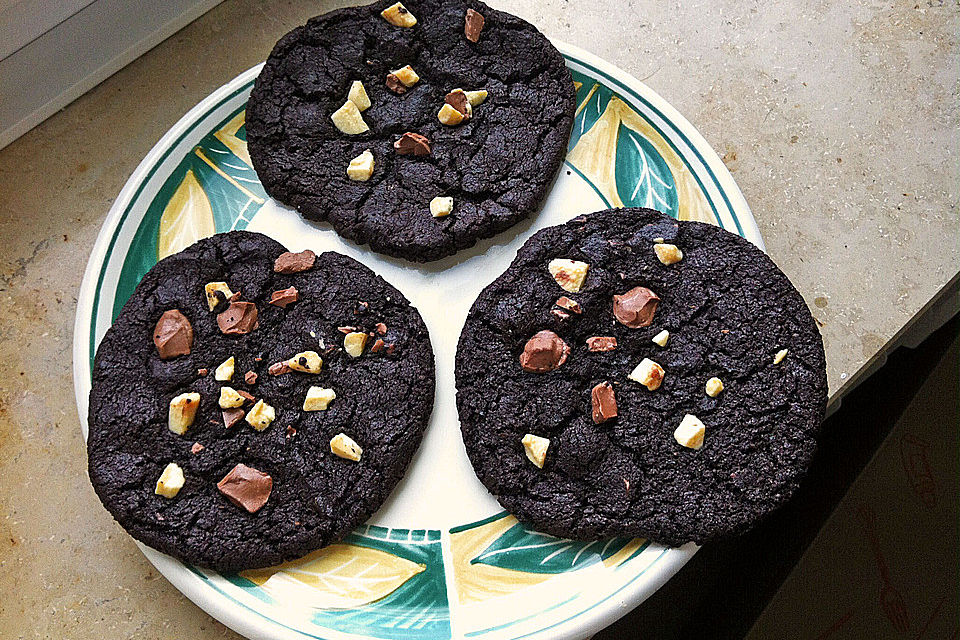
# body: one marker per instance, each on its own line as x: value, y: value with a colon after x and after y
x: 840, y: 123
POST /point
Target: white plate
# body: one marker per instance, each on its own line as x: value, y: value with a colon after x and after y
x: 440, y: 559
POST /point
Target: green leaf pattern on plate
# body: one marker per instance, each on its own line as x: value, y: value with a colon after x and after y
x: 524, y: 550
x: 643, y: 178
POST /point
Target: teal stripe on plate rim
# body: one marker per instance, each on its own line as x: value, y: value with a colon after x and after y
x: 216, y: 177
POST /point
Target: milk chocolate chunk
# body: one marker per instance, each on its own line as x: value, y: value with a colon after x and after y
x: 246, y: 487
x: 544, y: 352
x: 604, y: 402
x: 289, y: 262
x: 381, y: 328
x: 570, y: 305
x: 458, y: 100
x: 250, y: 377
x: 240, y: 318
x: 173, y: 335
x: 395, y: 84
x: 601, y: 343
x: 278, y: 368
x: 284, y: 297
x: 197, y: 448
x: 472, y: 25
x: 232, y: 416
x: 412, y: 144
x: 636, y: 307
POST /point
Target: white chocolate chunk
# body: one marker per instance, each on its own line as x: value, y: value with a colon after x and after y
x: 536, y: 448
x: 713, y: 387
x: 318, y: 399
x: 648, y: 373
x: 211, y: 289
x: 668, y: 253
x: 777, y: 359
x: 344, y: 446
x: 354, y: 342
x: 306, y: 362
x: 441, y: 206
x: 230, y: 399
x: 661, y: 338
x: 476, y: 98
x: 407, y: 76
x: 170, y: 481
x: 224, y: 372
x: 361, y: 167
x: 450, y: 116
x: 398, y: 16
x: 690, y: 432
x: 183, y: 410
x: 261, y: 415
x: 569, y: 274
x: 358, y: 96
x: 348, y: 119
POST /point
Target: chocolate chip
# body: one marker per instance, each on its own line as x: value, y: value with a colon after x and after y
x: 202, y: 372
x: 568, y: 304
x: 239, y: 318
x: 381, y: 328
x: 458, y: 100
x: 472, y: 25
x: 636, y: 307
x: 377, y: 346
x: 250, y: 377
x: 604, y: 402
x: 246, y: 487
x: 247, y: 396
x: 346, y: 329
x: 284, y: 297
x: 173, y: 335
x: 222, y: 301
x: 545, y: 351
x: 197, y: 448
x: 601, y: 343
x: 232, y: 416
x: 278, y: 369
x: 412, y: 143
x: 289, y: 262
x: 395, y: 85
x: 291, y: 431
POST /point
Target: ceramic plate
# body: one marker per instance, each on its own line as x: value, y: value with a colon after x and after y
x: 440, y: 559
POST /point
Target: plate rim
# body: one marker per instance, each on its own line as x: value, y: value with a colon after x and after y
x: 253, y: 624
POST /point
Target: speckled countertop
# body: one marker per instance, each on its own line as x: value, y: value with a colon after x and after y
x: 840, y: 122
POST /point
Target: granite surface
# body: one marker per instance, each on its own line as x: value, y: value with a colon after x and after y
x: 840, y: 122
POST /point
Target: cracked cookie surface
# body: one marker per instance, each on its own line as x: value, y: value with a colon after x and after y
x: 383, y: 402
x: 497, y: 165
x: 728, y: 310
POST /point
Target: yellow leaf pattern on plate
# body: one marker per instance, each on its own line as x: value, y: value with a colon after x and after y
x: 186, y: 218
x: 595, y: 155
x: 341, y: 576
x: 479, y: 582
x: 228, y: 136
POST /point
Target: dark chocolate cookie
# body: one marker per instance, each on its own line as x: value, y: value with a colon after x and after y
x: 260, y: 482
x: 579, y: 367
x: 496, y: 165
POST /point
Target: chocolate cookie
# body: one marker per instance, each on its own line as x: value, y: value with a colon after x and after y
x: 418, y: 130
x: 632, y: 375
x: 251, y: 405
